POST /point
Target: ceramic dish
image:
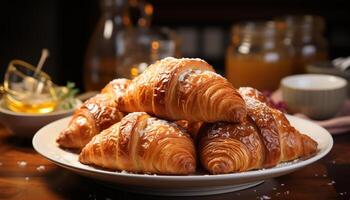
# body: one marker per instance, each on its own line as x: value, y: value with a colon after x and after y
x: 318, y: 96
x: 25, y: 124
x: 201, y: 184
x: 328, y: 68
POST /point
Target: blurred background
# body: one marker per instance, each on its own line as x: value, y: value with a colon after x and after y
x: 201, y: 29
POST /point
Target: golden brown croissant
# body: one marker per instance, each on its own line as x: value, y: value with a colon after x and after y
x: 288, y: 134
x: 226, y: 147
x: 96, y: 114
x: 144, y: 144
x: 264, y: 139
x: 184, y: 89
x: 262, y: 116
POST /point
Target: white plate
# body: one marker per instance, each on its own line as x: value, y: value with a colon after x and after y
x: 44, y: 143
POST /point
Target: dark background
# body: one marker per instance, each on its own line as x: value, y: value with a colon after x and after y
x: 64, y: 27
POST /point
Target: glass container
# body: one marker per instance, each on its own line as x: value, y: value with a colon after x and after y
x: 257, y: 56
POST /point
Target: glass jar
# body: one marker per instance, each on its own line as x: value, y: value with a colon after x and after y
x: 305, y: 34
x: 257, y: 56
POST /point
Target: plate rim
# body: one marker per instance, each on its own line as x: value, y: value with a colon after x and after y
x: 207, y: 177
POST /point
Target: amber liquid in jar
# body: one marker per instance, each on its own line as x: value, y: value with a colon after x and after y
x: 27, y: 90
x: 34, y: 105
x: 257, y: 56
x: 256, y: 71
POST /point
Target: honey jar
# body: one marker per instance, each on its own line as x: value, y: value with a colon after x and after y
x: 257, y: 56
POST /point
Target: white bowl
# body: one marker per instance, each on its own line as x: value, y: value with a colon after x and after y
x: 26, y: 125
x: 318, y: 96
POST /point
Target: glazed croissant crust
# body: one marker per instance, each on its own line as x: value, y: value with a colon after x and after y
x: 235, y: 130
x: 178, y: 89
x: 264, y: 139
x: 95, y: 115
x: 143, y: 144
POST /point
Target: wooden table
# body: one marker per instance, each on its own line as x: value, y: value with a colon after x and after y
x: 26, y: 175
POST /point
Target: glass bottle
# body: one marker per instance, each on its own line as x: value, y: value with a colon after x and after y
x: 107, y: 44
x: 144, y: 45
x: 122, y: 47
x: 257, y: 56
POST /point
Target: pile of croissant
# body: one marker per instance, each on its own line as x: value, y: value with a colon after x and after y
x: 176, y: 112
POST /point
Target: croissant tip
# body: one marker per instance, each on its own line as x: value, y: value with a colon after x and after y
x: 309, y: 145
x: 190, y: 167
x: 82, y: 157
x: 186, y: 165
x: 64, y: 139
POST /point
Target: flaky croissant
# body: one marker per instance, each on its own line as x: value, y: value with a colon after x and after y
x: 96, y: 114
x: 290, y: 149
x: 184, y: 89
x: 142, y: 144
x: 264, y: 139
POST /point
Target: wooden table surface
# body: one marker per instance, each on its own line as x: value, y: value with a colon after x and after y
x: 26, y: 175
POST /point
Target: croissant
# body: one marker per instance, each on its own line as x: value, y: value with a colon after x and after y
x: 142, y: 144
x: 264, y: 139
x: 96, y: 114
x: 177, y: 89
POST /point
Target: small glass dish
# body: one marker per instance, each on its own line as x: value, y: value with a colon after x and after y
x: 30, y: 100
x: 27, y: 89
